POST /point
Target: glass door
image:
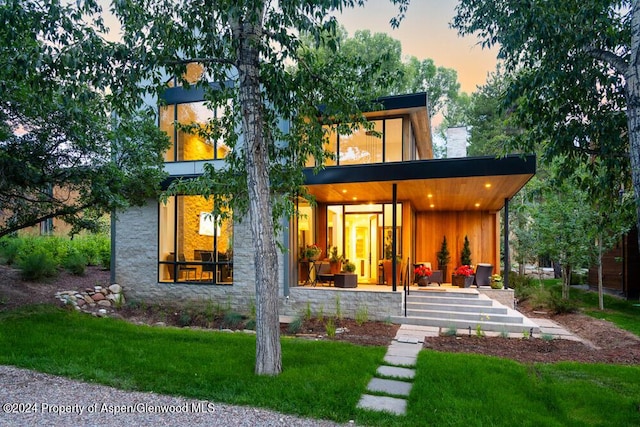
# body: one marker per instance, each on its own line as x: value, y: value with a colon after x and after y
x: 361, y: 243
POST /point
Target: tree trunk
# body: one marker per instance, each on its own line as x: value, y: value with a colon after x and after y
x: 268, y: 350
x: 566, y: 281
x: 632, y: 77
x: 600, y: 291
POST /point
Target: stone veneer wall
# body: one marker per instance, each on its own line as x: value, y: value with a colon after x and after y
x: 137, y: 272
x: 505, y: 297
x: 379, y: 305
x: 137, y: 265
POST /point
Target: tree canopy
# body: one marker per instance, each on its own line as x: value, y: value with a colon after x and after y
x: 65, y: 151
x: 574, y: 86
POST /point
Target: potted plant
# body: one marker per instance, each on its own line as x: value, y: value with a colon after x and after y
x: 463, y: 277
x: 465, y: 255
x: 335, y: 260
x: 443, y: 257
x: 311, y: 252
x: 496, y: 281
x: 347, y: 278
x: 422, y: 274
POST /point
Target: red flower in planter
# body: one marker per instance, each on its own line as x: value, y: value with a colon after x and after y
x: 463, y: 270
x: 422, y: 271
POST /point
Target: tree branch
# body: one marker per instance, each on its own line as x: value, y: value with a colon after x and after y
x: 611, y: 58
x: 223, y: 61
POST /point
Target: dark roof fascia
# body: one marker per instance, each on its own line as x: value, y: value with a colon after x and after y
x: 399, y: 102
x: 424, y: 169
x: 181, y: 95
x: 392, y: 102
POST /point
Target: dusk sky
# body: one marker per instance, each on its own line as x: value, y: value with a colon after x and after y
x: 425, y: 33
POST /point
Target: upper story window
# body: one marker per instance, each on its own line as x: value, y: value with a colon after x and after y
x: 383, y: 144
x: 195, y: 143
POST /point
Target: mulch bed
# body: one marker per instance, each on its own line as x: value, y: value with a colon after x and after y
x: 606, y: 343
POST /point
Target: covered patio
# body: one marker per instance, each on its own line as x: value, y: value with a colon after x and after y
x: 378, y: 212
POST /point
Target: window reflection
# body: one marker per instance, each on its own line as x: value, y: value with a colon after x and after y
x: 384, y: 143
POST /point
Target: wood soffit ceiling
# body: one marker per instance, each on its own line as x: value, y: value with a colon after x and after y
x: 486, y: 193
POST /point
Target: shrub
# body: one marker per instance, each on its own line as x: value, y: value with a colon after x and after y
x: 523, y: 286
x: 295, y: 326
x: 75, y: 263
x: 10, y: 248
x: 330, y: 328
x: 105, y: 259
x: 94, y: 247
x: 184, y: 320
x: 560, y: 305
x: 251, y: 324
x: 362, y: 315
x: 37, y: 266
x: 578, y: 279
x: 233, y: 319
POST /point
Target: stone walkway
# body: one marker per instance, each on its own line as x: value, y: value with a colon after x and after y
x: 394, y: 380
x: 392, y: 384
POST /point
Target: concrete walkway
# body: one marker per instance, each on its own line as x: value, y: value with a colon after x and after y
x: 389, y: 389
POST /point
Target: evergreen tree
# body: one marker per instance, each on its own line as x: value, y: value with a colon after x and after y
x: 465, y: 255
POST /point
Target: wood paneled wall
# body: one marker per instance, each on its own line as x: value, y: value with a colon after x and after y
x: 481, y: 227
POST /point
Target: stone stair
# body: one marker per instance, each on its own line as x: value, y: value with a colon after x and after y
x: 463, y: 310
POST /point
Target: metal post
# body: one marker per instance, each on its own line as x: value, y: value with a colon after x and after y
x: 505, y: 274
x: 394, y: 243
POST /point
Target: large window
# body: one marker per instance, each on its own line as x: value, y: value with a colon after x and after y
x: 382, y: 144
x: 192, y: 144
x: 196, y: 143
x: 194, y: 246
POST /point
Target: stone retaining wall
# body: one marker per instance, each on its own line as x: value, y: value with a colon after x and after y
x: 505, y: 297
x: 379, y: 305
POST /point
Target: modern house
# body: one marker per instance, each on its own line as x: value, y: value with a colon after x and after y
x: 384, y: 197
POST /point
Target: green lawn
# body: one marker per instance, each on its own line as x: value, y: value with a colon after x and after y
x: 320, y: 379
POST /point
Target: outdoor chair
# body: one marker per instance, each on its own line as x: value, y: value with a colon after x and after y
x: 483, y: 274
x: 323, y: 272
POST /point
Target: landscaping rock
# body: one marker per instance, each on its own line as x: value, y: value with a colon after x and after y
x: 98, y: 301
x: 98, y: 297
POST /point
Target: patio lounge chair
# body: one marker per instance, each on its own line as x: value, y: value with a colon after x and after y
x: 483, y: 274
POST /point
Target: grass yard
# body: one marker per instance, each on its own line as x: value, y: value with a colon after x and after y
x: 320, y: 379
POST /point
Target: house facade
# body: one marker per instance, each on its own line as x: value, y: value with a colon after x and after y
x: 384, y: 197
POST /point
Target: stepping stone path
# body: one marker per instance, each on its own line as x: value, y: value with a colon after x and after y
x: 393, y: 381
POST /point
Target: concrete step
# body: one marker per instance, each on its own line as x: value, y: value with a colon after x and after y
x: 451, y: 300
x: 463, y: 310
x: 525, y: 326
x: 486, y: 309
x: 476, y: 316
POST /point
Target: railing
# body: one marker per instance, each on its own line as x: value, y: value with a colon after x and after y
x: 405, y: 285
